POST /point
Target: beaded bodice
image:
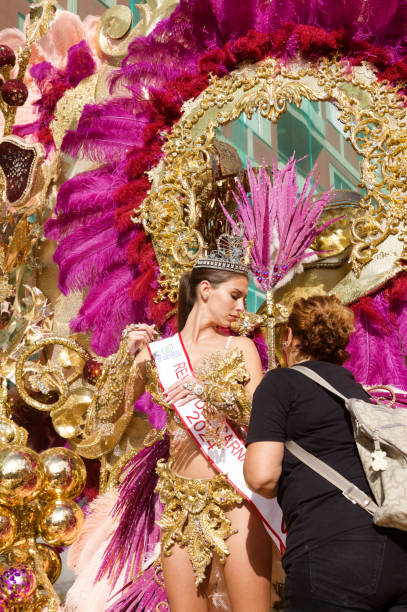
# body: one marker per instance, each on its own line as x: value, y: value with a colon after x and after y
x: 223, y: 377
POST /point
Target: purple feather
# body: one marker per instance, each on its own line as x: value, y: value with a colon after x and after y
x: 156, y: 414
x: 98, y: 315
x: 106, y: 132
x: 53, y: 83
x: 137, y: 509
x: 261, y: 347
x: 377, y: 356
x: 280, y: 225
x: 146, y: 593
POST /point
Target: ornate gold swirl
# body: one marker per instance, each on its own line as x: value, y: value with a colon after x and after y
x: 373, y: 115
x: 115, y: 31
x: 52, y: 377
x: 113, y: 28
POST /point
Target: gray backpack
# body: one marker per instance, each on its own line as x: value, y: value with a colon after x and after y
x: 381, y: 438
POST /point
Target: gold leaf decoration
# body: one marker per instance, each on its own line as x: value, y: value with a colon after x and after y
x: 374, y: 122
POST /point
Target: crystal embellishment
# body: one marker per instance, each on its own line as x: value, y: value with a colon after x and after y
x: 229, y: 254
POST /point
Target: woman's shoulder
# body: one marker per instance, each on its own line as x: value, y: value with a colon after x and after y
x: 242, y: 342
x: 246, y: 347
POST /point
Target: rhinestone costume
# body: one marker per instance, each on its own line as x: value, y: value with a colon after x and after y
x: 194, y: 514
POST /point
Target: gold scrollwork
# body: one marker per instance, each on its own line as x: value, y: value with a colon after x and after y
x: 50, y: 377
x: 373, y: 115
x: 115, y: 31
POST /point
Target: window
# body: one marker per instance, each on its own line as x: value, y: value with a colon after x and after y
x: 72, y: 6
x: 239, y: 138
x: 340, y: 181
x: 259, y: 125
x: 332, y: 114
x: 255, y: 297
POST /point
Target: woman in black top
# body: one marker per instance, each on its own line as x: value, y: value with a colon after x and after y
x: 336, y: 559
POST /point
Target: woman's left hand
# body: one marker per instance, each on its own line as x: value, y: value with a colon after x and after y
x: 179, y: 394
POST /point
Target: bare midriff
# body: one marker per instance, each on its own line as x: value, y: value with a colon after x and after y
x: 189, y: 462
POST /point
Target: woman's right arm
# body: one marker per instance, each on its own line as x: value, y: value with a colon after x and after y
x: 137, y: 341
x: 267, y: 433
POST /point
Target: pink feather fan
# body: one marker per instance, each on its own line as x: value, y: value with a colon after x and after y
x: 280, y: 224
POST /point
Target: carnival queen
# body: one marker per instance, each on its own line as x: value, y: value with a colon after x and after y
x: 213, y: 529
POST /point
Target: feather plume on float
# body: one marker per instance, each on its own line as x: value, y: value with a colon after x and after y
x: 281, y: 226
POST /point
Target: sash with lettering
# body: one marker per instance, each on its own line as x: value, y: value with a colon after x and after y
x: 173, y: 365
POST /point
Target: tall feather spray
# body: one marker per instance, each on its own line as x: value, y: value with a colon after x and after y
x: 280, y: 225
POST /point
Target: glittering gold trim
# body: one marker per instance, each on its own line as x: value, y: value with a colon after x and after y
x: 194, y: 516
x: 374, y: 120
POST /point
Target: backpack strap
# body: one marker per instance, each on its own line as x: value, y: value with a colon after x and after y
x: 319, y: 380
x: 348, y: 489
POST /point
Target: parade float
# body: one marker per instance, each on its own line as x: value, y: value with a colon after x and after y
x: 115, y: 157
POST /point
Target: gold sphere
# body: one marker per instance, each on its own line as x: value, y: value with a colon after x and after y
x: 8, y: 431
x: 65, y: 473
x: 17, y: 584
x: 60, y: 522
x: 15, y: 555
x: 8, y: 527
x: 21, y: 474
x: 51, y: 560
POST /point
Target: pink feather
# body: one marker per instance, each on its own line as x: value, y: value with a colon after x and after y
x: 280, y: 224
x: 86, y: 554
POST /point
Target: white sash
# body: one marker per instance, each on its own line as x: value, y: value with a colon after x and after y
x: 173, y: 365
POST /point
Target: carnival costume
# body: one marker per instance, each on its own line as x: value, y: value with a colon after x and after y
x: 190, y: 512
x: 194, y: 513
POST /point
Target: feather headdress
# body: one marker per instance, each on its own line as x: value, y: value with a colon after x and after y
x: 280, y: 224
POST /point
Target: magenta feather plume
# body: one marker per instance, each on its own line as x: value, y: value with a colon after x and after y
x: 155, y: 413
x: 106, y: 131
x: 53, y: 83
x: 280, y: 225
x: 137, y: 510
x: 107, y: 309
x: 144, y: 594
x: 377, y: 357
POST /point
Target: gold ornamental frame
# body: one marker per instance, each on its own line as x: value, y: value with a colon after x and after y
x: 374, y: 119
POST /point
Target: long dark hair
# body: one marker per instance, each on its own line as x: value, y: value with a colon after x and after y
x: 188, y: 285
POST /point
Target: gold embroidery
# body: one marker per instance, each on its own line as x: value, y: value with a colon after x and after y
x: 154, y: 388
x: 194, y: 516
x: 223, y: 378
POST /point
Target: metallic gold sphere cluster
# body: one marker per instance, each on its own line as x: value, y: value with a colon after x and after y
x: 37, y: 493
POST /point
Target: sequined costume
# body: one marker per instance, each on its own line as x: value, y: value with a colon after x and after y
x: 151, y: 506
x: 194, y: 514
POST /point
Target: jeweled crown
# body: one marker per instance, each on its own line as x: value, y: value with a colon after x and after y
x: 230, y: 254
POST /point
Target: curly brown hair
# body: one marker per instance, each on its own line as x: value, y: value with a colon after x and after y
x: 323, y: 325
